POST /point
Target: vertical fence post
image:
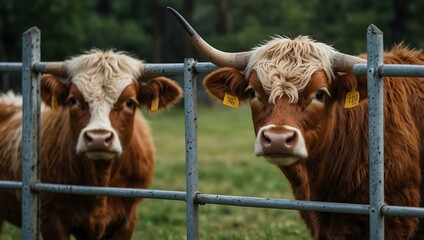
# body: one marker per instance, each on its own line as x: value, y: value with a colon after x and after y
x: 30, y: 133
x: 190, y: 108
x: 376, y: 131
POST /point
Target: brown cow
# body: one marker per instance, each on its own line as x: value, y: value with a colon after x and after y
x: 297, y: 91
x: 92, y: 133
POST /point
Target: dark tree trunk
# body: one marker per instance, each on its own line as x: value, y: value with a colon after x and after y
x: 5, y: 79
x: 158, y: 31
x: 401, y: 15
x: 224, y: 24
x: 103, y: 6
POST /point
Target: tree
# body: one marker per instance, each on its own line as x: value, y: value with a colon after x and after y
x: 148, y: 30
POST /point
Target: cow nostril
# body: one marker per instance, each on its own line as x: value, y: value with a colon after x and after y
x: 109, y: 139
x: 291, y: 139
x: 87, y: 137
x: 266, y: 140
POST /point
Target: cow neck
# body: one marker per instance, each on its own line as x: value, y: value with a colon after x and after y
x: 103, y: 170
x: 298, y: 178
x: 95, y: 173
x: 330, y: 168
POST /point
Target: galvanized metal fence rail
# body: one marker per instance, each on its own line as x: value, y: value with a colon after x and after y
x: 31, y: 67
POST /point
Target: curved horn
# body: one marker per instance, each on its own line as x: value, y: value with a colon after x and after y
x: 56, y: 68
x: 343, y: 62
x: 236, y: 60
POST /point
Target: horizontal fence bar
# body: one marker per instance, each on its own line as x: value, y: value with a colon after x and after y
x: 110, y: 191
x: 401, y: 70
x: 11, y: 185
x: 12, y: 67
x: 403, y: 211
x: 167, y: 68
x: 275, y: 203
x: 177, y: 68
x: 150, y: 69
x: 283, y: 204
x: 360, y: 69
x: 393, y: 70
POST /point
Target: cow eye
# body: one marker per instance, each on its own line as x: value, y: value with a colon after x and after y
x: 319, y: 95
x: 251, y: 92
x: 72, y: 101
x: 130, y: 103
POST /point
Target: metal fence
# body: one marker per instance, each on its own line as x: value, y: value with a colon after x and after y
x: 31, y: 67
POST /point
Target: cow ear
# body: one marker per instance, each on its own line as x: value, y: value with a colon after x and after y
x: 158, y: 93
x: 346, y: 83
x: 226, y: 80
x: 53, y: 91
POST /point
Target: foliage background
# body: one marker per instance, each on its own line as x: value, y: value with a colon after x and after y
x: 148, y: 30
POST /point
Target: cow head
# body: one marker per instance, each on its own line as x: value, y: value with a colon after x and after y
x: 291, y: 85
x: 101, y: 93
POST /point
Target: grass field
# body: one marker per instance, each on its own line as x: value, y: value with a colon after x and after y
x: 226, y: 166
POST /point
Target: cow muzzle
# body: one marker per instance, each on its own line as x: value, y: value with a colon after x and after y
x: 98, y: 144
x: 280, y: 145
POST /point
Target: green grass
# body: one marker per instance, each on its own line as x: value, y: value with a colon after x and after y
x: 226, y: 166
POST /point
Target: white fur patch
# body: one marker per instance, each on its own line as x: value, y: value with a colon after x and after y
x: 11, y: 150
x: 10, y: 98
x: 282, y: 161
x: 258, y: 147
x: 299, y: 150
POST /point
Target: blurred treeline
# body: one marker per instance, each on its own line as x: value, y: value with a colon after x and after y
x: 148, y: 30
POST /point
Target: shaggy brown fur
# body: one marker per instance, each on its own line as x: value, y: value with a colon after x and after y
x: 336, y: 139
x: 85, y: 217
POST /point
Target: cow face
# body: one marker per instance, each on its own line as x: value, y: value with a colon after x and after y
x: 288, y: 83
x: 286, y: 130
x: 101, y: 100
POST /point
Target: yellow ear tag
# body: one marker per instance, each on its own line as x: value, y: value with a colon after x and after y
x: 53, y: 103
x: 230, y: 100
x: 352, y: 99
x: 155, y: 105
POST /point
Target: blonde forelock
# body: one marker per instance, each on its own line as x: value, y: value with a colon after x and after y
x: 109, y: 64
x: 101, y: 76
x: 285, y: 66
